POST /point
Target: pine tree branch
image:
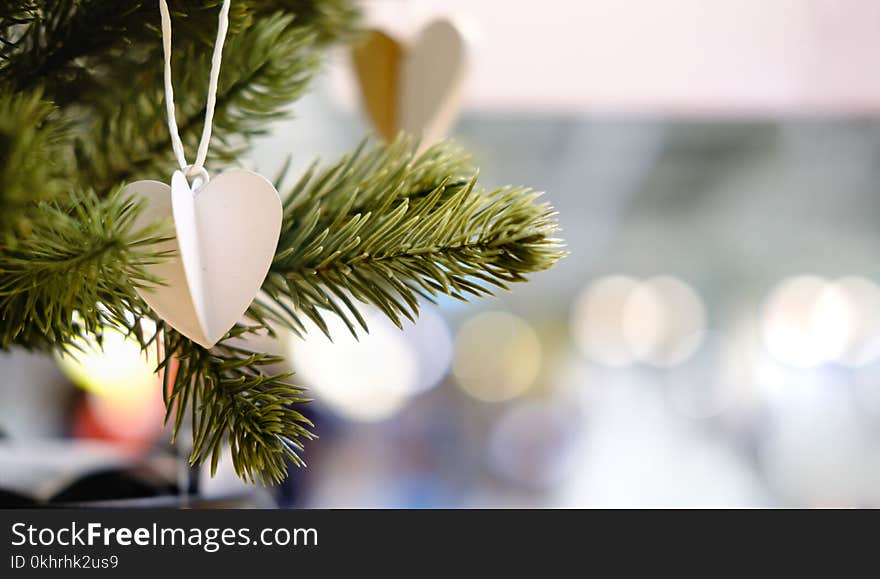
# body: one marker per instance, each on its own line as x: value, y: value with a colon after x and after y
x: 35, y: 156
x: 381, y: 227
x: 101, y: 66
x: 266, y: 67
x: 75, y: 273
x: 60, y: 44
x: 332, y: 20
x: 229, y: 399
x: 46, y: 40
x: 386, y: 228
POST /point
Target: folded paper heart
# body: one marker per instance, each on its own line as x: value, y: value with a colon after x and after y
x: 413, y: 87
x: 226, y: 233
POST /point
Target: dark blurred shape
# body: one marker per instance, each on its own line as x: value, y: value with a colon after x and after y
x: 11, y: 500
x: 115, y: 484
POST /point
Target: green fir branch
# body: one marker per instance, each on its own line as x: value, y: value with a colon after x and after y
x: 227, y: 398
x: 382, y: 227
x: 264, y: 68
x: 82, y: 111
x: 75, y: 273
x: 387, y: 228
x: 35, y: 158
x: 61, y: 44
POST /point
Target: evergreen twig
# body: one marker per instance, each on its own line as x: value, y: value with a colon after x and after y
x: 229, y: 399
x: 81, y: 111
x: 387, y: 228
x: 75, y: 272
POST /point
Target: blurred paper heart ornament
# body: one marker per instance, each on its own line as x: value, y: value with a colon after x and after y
x: 415, y: 87
x: 226, y: 232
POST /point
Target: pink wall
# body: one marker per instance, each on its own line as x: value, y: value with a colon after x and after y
x: 669, y: 56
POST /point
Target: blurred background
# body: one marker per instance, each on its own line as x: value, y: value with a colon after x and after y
x: 713, y: 338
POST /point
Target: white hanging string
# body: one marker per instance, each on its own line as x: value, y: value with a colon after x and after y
x: 222, y: 26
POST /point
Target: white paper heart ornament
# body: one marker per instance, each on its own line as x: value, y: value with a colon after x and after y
x: 226, y: 234
x: 416, y: 86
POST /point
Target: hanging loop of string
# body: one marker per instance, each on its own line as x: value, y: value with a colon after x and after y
x: 198, y: 167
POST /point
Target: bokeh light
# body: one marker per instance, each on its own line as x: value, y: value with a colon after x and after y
x: 497, y: 356
x: 596, y: 323
x: 663, y: 321
x: 124, y: 397
x: 367, y: 379
x: 863, y: 301
x: 618, y: 320
x: 807, y: 321
x: 134, y: 423
x: 117, y: 368
x: 432, y: 341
